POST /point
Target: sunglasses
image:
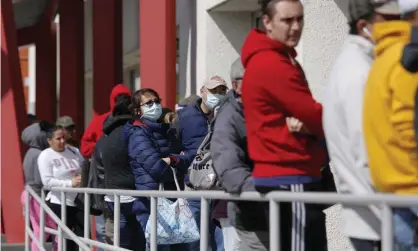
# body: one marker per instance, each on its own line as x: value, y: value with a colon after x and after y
x: 152, y: 102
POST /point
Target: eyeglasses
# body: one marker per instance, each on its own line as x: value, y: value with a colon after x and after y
x: 150, y: 103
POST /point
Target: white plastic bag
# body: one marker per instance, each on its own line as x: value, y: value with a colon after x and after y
x: 175, y: 221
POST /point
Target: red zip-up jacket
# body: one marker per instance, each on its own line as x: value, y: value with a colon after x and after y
x: 274, y: 88
x: 95, y: 129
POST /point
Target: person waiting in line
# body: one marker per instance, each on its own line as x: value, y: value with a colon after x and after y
x: 35, y: 137
x: 150, y: 149
x: 60, y: 166
x: 246, y: 228
x: 112, y: 152
x: 342, y: 119
x: 389, y: 102
x: 192, y: 126
x: 94, y: 130
x: 93, y: 133
x: 274, y: 89
x: 68, y: 124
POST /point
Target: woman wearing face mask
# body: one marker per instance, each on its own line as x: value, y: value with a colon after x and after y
x: 150, y: 148
x: 60, y: 166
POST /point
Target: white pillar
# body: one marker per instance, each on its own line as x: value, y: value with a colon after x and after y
x: 31, y: 79
x: 186, y: 19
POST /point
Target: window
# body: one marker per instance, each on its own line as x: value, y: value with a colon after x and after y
x: 134, y: 82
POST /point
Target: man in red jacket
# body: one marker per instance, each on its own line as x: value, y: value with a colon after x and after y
x: 95, y: 129
x: 275, y: 90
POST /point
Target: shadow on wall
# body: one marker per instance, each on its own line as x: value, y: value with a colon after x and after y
x: 234, y: 26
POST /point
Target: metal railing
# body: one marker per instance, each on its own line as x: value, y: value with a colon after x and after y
x: 386, y: 202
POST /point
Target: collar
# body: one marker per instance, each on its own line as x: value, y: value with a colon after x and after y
x: 364, y: 45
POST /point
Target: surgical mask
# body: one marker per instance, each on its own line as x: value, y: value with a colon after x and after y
x: 152, y: 113
x: 213, y: 100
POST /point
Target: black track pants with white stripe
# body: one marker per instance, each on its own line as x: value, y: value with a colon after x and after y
x: 302, y: 226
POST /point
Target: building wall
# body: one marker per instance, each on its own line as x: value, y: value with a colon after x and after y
x: 219, y: 40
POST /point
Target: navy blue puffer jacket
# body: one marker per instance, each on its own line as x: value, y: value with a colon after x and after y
x: 147, y: 165
x: 192, y: 126
x: 165, y: 137
x: 145, y: 157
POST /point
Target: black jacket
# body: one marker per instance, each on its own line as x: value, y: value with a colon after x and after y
x: 114, y: 154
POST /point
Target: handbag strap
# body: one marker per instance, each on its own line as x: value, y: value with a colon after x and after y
x: 176, y: 181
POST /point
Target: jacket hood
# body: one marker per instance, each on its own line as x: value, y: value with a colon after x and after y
x: 258, y: 41
x: 387, y: 34
x: 116, y: 91
x: 113, y: 122
x: 34, y: 137
x: 231, y: 98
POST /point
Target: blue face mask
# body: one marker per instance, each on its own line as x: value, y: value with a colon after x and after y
x: 152, y: 113
x: 213, y: 100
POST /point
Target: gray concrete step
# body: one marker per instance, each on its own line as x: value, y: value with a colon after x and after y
x: 13, y: 246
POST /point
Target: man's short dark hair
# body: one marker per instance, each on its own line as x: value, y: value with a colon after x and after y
x: 268, y: 6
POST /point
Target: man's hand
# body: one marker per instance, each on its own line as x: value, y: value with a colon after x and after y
x: 296, y: 126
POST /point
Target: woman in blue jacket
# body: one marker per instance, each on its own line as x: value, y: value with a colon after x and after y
x: 151, y: 147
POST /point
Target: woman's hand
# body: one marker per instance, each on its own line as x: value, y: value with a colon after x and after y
x: 76, y: 180
x: 167, y: 160
x: 296, y: 126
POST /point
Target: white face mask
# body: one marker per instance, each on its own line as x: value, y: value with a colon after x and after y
x: 213, y: 100
x: 152, y: 113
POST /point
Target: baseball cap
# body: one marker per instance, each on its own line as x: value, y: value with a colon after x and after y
x: 406, y: 6
x: 65, y: 121
x: 358, y: 9
x: 214, y: 82
x: 237, y: 70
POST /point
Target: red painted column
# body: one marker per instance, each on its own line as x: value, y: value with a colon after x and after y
x: 158, y: 48
x: 13, y: 121
x: 46, y: 70
x: 72, y: 60
x: 107, y: 51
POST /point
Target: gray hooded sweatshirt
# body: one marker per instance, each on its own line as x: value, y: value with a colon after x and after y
x: 37, y: 141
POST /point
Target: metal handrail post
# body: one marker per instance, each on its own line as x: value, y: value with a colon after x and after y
x: 274, y: 215
x: 27, y: 219
x: 387, y: 228
x: 86, y: 215
x: 116, y: 221
x: 42, y: 221
x: 63, y: 219
x: 204, y: 224
x: 154, y: 246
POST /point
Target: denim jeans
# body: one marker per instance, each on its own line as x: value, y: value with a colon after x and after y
x: 131, y: 232
x: 406, y: 228
x: 215, y: 232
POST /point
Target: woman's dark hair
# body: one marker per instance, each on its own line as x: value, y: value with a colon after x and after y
x: 137, y: 96
x: 122, y: 105
x: 51, y: 131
